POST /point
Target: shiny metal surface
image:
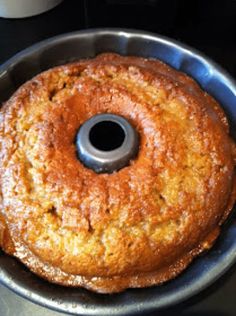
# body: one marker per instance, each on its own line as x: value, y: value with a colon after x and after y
x: 205, y: 269
x: 105, y: 160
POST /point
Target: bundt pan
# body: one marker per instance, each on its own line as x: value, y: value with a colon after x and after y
x: 204, y: 270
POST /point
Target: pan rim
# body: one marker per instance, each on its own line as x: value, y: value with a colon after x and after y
x: 173, y: 298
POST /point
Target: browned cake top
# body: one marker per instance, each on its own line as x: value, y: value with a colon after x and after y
x: 67, y: 222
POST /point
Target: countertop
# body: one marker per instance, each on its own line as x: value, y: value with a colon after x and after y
x: 207, y: 27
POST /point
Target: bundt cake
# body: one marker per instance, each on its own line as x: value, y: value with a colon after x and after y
x: 138, y: 226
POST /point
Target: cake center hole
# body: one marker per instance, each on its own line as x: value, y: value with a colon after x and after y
x: 107, y: 135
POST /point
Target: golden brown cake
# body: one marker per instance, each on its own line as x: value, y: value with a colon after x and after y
x: 139, y: 226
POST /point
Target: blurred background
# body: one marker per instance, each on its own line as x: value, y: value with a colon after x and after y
x: 207, y: 25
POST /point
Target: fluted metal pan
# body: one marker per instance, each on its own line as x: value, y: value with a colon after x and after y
x: 204, y: 270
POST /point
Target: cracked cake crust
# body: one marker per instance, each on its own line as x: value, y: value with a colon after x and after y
x: 136, y: 227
